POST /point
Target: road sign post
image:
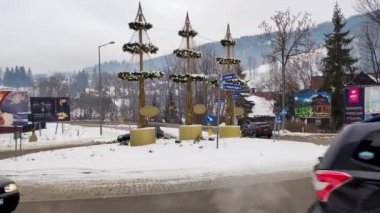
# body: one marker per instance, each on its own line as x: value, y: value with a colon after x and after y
x: 277, y: 123
x: 217, y: 118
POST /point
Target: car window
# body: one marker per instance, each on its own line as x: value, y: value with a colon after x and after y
x: 368, y: 151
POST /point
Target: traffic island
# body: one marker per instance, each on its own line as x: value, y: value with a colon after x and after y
x: 229, y: 131
x: 143, y: 136
x: 189, y: 132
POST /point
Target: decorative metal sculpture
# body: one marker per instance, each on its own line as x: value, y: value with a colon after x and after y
x: 140, y: 48
x: 228, y: 43
x: 187, y: 53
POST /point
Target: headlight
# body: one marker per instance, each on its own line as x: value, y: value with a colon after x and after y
x: 10, y: 187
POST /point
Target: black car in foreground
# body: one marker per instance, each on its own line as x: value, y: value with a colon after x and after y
x: 347, y: 178
x: 256, y: 129
x: 9, y: 195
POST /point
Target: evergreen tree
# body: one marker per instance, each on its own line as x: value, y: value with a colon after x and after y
x: 30, y: 78
x: 171, y: 113
x: 7, y: 77
x: 12, y: 79
x: 337, y: 64
x: 22, y: 78
x: 16, y: 77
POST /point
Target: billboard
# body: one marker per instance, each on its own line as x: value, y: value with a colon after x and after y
x: 371, y: 102
x: 353, y: 104
x: 11, y: 104
x: 50, y: 109
x: 312, y: 104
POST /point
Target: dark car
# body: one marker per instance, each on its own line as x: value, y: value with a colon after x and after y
x: 127, y: 137
x: 9, y: 195
x: 257, y: 129
x: 347, y: 178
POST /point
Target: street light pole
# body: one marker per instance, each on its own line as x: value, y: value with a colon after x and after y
x: 100, y: 91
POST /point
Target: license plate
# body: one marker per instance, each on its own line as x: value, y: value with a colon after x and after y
x: 1, y: 202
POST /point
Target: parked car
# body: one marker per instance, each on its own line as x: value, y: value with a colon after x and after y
x: 127, y: 137
x: 257, y: 129
x: 347, y: 178
x: 9, y: 195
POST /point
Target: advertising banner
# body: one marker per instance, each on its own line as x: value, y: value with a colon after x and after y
x: 11, y: 104
x: 353, y: 104
x: 50, y: 109
x: 312, y: 104
x: 371, y: 102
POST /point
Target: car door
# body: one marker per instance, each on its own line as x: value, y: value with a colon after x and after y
x: 367, y: 179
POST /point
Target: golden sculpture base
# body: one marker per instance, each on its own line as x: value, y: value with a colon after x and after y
x: 142, y: 136
x: 190, y: 132
x: 33, y: 138
x: 229, y: 131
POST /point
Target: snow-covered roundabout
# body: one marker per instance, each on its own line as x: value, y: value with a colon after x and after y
x: 164, y: 166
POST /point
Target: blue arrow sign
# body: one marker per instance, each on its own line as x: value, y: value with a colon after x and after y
x: 230, y: 76
x: 278, y: 119
x: 210, y: 118
x: 232, y: 86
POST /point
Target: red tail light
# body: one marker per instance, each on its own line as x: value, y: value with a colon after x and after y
x: 258, y: 129
x: 327, y: 181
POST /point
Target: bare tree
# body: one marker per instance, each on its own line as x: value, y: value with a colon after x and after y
x: 59, y: 85
x: 369, y: 49
x: 204, y: 91
x: 55, y: 85
x: 289, y: 35
x: 303, y: 67
x: 369, y: 8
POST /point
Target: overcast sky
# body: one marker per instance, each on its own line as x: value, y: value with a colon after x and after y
x: 64, y: 35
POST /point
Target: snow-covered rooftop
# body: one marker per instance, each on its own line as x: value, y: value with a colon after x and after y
x: 262, y: 106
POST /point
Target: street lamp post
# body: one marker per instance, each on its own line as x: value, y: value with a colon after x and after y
x: 100, y: 91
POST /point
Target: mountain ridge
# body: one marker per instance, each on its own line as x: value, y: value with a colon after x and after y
x: 249, y: 49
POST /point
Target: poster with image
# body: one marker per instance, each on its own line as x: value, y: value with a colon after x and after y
x: 11, y: 104
x: 50, y: 109
x: 371, y: 102
x: 312, y: 104
x: 353, y: 104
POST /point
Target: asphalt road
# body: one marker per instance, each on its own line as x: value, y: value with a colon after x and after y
x: 288, y: 196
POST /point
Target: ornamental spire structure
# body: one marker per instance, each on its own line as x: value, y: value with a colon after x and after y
x: 140, y: 47
x: 187, y: 52
x: 228, y: 43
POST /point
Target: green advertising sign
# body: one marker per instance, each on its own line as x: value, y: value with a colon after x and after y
x: 312, y: 104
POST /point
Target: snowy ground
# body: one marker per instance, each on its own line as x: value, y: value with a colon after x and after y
x: 305, y: 134
x: 71, y: 134
x: 163, y: 162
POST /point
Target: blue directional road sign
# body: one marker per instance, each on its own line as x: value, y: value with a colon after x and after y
x: 230, y: 76
x: 232, y: 86
x: 235, y: 95
x: 284, y: 112
x: 278, y: 119
x: 210, y: 118
x: 221, y: 100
